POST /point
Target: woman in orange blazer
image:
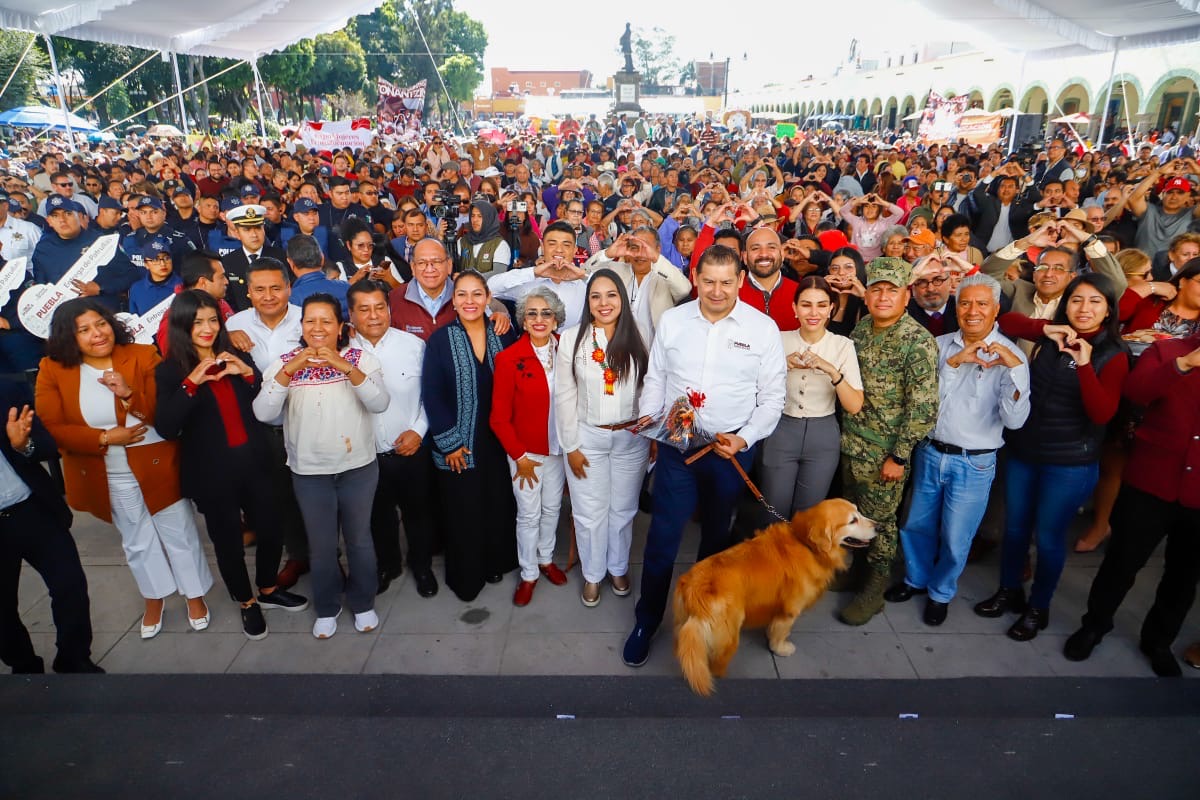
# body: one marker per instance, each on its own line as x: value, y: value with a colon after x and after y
x: 521, y: 403
x: 96, y: 396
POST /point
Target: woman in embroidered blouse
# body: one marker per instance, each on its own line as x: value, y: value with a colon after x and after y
x: 521, y: 419
x: 1170, y: 308
x: 327, y: 392
x: 473, y: 477
x: 205, y: 391
x: 802, y: 455
x: 601, y: 363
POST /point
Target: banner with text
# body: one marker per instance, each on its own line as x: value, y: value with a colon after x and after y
x: 354, y: 133
x: 400, y: 107
x: 940, y: 121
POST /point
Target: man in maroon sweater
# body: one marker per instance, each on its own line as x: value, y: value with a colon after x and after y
x: 765, y: 287
x: 1160, y: 497
x: 423, y: 305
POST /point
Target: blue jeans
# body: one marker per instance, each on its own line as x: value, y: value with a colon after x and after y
x: 950, y: 496
x: 1040, y: 501
x: 711, y: 483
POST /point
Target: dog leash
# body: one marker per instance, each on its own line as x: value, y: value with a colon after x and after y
x: 749, y: 483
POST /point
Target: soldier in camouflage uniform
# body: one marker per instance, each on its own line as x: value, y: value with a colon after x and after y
x: 898, y: 359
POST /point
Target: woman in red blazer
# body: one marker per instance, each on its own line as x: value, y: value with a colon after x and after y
x: 521, y: 403
x: 96, y: 395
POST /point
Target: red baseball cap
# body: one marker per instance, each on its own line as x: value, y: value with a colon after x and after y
x: 833, y: 240
x: 1178, y: 185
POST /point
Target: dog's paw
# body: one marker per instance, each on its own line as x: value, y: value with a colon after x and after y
x: 784, y: 649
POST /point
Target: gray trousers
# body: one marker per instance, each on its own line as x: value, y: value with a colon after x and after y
x: 326, y: 500
x: 799, y: 461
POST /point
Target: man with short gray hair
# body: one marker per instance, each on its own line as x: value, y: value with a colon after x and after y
x: 983, y: 388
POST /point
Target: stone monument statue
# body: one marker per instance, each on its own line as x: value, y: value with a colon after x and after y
x: 627, y: 48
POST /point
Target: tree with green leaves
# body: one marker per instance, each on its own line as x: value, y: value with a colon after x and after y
x: 654, y: 54
x: 22, y: 91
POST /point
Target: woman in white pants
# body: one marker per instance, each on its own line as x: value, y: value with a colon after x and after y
x: 522, y: 418
x: 96, y: 395
x: 599, y: 373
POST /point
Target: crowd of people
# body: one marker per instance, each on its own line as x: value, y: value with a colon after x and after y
x: 457, y: 335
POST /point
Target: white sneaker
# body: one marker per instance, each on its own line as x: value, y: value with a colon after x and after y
x: 325, y: 627
x: 366, y: 622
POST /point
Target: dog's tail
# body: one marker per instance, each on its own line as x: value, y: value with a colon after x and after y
x: 691, y: 650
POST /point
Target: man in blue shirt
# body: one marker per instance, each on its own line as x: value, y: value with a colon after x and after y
x: 307, y: 262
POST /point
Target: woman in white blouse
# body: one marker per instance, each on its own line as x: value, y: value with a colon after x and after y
x: 801, y: 457
x: 599, y: 371
x: 328, y: 392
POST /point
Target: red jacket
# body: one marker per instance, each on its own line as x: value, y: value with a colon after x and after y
x: 782, y: 310
x: 409, y: 314
x: 521, y: 401
x: 1165, y: 458
x: 1138, y: 313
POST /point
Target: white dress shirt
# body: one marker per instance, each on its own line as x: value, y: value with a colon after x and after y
x: 18, y: 238
x: 736, y: 362
x: 516, y: 283
x: 269, y: 343
x: 976, y: 403
x: 579, y: 389
x: 401, y: 355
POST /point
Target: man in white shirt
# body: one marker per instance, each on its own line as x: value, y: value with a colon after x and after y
x: 730, y: 357
x: 267, y: 330
x: 18, y: 238
x: 555, y: 269
x: 653, y: 283
x: 405, y: 466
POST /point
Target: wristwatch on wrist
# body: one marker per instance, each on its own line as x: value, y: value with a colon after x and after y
x: 902, y: 462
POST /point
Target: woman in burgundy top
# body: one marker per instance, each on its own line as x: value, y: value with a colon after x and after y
x: 1171, y: 308
x: 1160, y: 498
x: 1076, y: 374
x: 205, y: 388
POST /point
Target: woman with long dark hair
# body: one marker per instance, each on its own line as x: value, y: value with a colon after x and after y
x: 96, y: 395
x: 1077, y: 372
x: 472, y: 470
x: 328, y: 393
x: 206, y: 389
x: 847, y: 276
x: 601, y: 364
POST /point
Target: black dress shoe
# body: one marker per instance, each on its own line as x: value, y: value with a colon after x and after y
x: 1027, y: 627
x: 495, y: 578
x: 427, y: 585
x: 1162, y: 660
x: 902, y: 593
x: 935, y: 612
x: 1080, y: 644
x: 1002, y: 602
x: 84, y: 666
x: 386, y: 576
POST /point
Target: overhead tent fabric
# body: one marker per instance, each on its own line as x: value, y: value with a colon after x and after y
x: 242, y: 29
x: 1059, y: 28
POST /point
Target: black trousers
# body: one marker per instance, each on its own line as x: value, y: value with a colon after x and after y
x: 295, y: 539
x: 1139, y: 522
x: 251, y: 491
x: 405, y: 482
x: 27, y: 533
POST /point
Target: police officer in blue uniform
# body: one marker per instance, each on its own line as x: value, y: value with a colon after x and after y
x: 63, y: 244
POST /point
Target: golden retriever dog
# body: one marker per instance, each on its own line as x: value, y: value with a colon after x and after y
x: 766, y: 581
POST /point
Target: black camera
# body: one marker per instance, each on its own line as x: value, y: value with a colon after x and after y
x: 445, y: 205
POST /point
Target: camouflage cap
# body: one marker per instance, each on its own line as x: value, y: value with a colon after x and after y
x: 892, y: 270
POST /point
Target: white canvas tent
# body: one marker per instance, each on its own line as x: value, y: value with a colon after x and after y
x: 241, y: 29
x: 1048, y: 29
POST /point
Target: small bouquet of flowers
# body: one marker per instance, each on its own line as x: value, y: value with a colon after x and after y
x: 680, y: 427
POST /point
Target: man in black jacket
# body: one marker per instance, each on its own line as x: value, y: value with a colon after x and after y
x: 35, y: 527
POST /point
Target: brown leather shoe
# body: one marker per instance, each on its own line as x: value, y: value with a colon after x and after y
x: 249, y: 539
x: 553, y: 573
x: 524, y: 593
x: 590, y: 595
x: 293, y: 568
x: 1191, y: 656
x: 620, y: 585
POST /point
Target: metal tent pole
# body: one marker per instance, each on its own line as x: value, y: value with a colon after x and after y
x: 262, y: 119
x: 1112, y: 71
x: 1012, y: 126
x: 20, y: 61
x: 179, y: 91
x: 62, y: 98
